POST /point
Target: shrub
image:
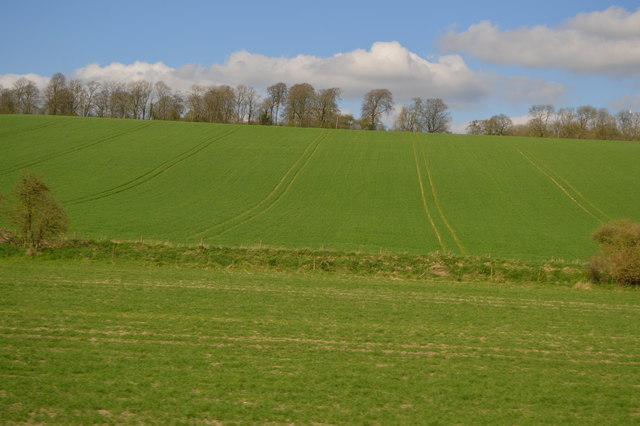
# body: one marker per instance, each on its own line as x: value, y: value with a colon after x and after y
x: 36, y: 215
x: 619, y: 243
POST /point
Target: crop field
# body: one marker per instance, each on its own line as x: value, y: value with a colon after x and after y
x: 346, y: 190
x: 98, y: 343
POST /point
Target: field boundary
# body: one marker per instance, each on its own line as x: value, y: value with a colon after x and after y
x: 145, y: 177
x: 272, y: 197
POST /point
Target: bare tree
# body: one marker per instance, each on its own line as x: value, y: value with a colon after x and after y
x: 278, y: 94
x: 327, y: 110
x: 168, y: 105
x: 629, y: 125
x: 26, y: 96
x: 240, y: 103
x: 376, y: 103
x: 7, y: 101
x: 140, y: 93
x: 605, y: 125
x: 565, y: 124
x: 497, y: 125
x: 436, y: 116
x: 300, y: 105
x: 411, y: 117
x: 88, y: 102
x: 58, y: 99
x: 540, y: 118
x: 195, y: 103
x: 120, y: 105
x: 219, y: 104
x: 585, y: 117
x: 403, y: 122
x: 253, y: 101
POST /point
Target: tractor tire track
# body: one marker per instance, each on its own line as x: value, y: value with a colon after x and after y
x: 72, y: 150
x: 547, y: 174
x: 438, y: 207
x: 578, y: 194
x: 276, y: 194
x: 146, y: 177
x: 463, y: 349
x: 424, y: 198
x: 30, y: 129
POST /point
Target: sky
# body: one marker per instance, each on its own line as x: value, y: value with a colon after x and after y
x: 481, y: 57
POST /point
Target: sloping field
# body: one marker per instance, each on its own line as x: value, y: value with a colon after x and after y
x: 95, y: 344
x: 347, y: 190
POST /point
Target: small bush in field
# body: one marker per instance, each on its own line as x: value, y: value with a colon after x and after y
x: 619, y: 243
x: 36, y: 215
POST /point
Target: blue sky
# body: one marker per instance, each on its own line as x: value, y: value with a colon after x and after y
x: 482, y: 58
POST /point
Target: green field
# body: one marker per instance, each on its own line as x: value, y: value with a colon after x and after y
x: 346, y: 190
x: 112, y: 344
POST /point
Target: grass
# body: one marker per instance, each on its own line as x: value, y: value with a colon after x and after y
x: 237, y: 186
x: 434, y: 266
x: 92, y: 342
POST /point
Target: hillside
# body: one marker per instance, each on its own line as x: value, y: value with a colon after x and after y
x: 348, y: 190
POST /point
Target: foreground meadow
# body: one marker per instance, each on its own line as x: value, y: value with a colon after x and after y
x: 83, y: 342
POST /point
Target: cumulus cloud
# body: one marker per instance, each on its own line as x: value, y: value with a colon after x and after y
x: 604, y: 42
x: 531, y: 90
x: 7, y: 80
x: 385, y: 65
x: 626, y: 102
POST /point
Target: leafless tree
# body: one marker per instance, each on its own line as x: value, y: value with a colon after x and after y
x: 140, y: 93
x: 540, y: 119
x: 253, y: 101
x: 278, y: 94
x: 497, y: 125
x: 58, y: 99
x: 219, y: 104
x: 327, y: 110
x: 7, y: 101
x: 376, y: 103
x: 300, y: 105
x: 411, y: 117
x: 26, y: 96
x: 605, y: 125
x: 436, y: 116
x: 629, y: 124
x: 585, y: 118
x: 88, y: 101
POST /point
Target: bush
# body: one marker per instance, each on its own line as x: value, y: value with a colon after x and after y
x: 619, y: 243
x: 37, y: 216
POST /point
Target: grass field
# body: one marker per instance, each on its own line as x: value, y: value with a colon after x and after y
x: 97, y: 343
x: 345, y: 190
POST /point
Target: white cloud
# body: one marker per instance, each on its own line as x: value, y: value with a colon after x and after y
x: 604, y: 42
x: 7, y: 80
x: 125, y: 73
x: 626, y: 102
x: 385, y: 65
x: 530, y: 90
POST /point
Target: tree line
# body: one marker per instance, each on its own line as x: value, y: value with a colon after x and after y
x: 300, y: 105
x: 585, y: 122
